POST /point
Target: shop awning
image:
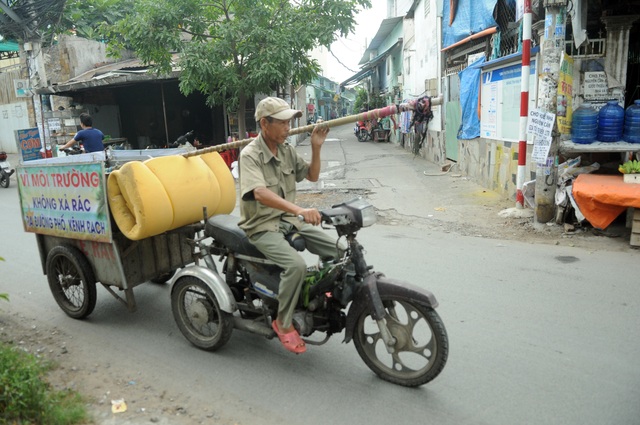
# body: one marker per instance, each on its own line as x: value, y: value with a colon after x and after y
x: 113, y: 75
x: 357, y: 77
x: 8, y: 49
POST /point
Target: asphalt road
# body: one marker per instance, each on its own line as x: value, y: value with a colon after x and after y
x: 539, y: 334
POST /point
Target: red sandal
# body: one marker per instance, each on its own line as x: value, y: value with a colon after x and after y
x: 290, y: 340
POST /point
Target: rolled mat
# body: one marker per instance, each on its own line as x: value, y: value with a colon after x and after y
x: 161, y: 194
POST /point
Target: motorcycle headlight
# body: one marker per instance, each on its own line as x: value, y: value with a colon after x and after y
x: 368, y: 216
x: 363, y: 212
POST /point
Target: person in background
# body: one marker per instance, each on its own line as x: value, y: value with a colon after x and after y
x: 90, y: 138
x: 269, y: 170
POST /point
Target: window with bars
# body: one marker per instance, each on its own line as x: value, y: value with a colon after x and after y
x: 507, y: 39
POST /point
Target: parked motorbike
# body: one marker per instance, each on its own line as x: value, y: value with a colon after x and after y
x: 393, y: 325
x: 364, y: 130
x: 73, y: 150
x: 181, y: 140
x: 5, y: 170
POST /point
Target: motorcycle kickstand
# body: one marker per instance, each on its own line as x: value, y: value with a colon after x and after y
x: 389, y: 340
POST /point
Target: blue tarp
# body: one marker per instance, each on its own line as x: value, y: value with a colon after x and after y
x: 470, y: 17
x: 469, y: 92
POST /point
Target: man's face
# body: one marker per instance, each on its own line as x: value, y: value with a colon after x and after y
x: 274, y: 131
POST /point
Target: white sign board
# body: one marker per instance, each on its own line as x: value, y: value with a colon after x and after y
x: 595, y: 85
x: 54, y: 124
x: 540, y: 125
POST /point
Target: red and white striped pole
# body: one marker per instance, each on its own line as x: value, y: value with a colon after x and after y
x: 524, y: 102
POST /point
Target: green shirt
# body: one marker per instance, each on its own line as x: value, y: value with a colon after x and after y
x: 279, y: 174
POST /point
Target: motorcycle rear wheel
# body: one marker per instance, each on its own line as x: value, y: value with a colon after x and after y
x: 198, y: 315
x: 421, y: 347
x: 5, y: 180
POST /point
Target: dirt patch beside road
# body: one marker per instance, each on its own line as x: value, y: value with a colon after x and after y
x: 481, y: 217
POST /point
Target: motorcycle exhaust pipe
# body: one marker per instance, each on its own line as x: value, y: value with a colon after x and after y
x: 253, y: 327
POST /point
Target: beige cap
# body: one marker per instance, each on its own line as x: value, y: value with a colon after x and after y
x: 276, y: 108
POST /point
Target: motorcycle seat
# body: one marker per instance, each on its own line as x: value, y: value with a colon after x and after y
x: 224, y: 229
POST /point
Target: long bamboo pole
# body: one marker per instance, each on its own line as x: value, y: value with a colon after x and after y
x: 363, y: 116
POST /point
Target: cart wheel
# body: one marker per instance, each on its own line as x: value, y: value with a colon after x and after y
x: 71, y: 281
x: 163, y: 278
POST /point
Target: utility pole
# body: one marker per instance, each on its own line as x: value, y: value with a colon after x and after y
x: 524, y: 102
x: 552, y: 48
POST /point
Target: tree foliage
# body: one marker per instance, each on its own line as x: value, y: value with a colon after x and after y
x: 230, y: 50
x: 367, y: 101
x: 88, y: 19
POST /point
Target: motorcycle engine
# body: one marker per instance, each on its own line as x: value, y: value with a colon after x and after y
x: 331, y: 320
x: 303, y: 322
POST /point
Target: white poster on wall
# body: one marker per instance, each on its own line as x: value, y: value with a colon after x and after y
x: 13, y: 116
x: 500, y: 101
x: 595, y: 85
x: 540, y: 125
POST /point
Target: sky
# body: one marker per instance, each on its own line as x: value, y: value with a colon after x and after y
x: 350, y: 49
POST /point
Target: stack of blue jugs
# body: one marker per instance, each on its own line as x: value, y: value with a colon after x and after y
x: 610, y: 122
x: 631, y: 132
x: 584, y: 124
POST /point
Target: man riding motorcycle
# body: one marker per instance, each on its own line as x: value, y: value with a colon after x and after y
x: 269, y: 170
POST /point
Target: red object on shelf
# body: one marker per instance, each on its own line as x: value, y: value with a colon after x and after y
x: 603, y: 198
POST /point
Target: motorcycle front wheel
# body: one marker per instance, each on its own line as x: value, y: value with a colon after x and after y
x: 362, y: 136
x: 198, y: 315
x: 5, y: 180
x: 421, y: 343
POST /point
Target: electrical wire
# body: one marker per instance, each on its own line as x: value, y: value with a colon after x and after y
x: 340, y: 62
x: 35, y: 17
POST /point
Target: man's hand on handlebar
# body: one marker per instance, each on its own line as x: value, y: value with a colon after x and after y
x: 310, y: 215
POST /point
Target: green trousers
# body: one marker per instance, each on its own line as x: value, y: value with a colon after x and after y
x: 274, y: 246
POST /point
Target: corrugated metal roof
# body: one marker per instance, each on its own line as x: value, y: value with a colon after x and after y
x: 112, y: 75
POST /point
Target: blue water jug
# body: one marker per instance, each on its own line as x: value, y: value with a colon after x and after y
x: 610, y: 122
x: 584, y: 124
x: 631, y: 132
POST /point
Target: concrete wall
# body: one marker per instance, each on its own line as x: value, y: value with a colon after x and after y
x: 427, y: 64
x: 492, y: 164
x: 16, y: 113
x: 73, y: 56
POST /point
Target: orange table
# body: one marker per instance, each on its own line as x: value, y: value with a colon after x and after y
x: 602, y: 198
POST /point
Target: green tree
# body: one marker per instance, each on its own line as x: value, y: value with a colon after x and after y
x: 231, y: 50
x: 366, y: 100
x: 87, y: 19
